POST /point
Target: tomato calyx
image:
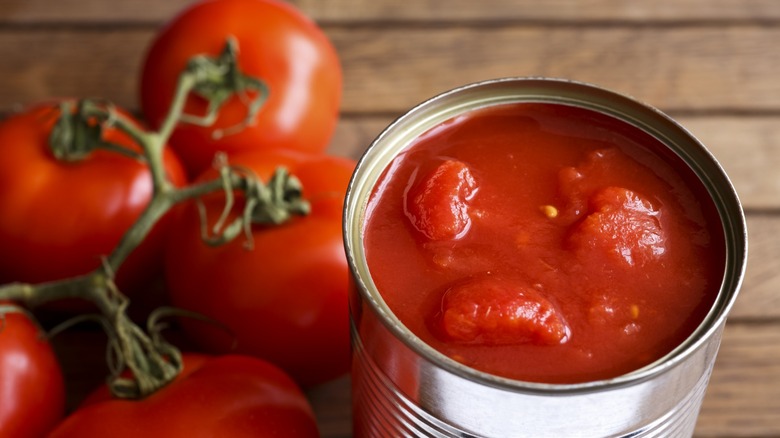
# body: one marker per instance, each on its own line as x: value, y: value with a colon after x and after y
x: 273, y: 203
x: 79, y: 129
x: 276, y: 202
x: 217, y: 79
x: 160, y: 362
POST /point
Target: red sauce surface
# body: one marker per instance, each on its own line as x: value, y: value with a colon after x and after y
x: 544, y: 243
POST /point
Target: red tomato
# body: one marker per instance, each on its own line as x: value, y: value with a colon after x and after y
x: 58, y: 218
x: 229, y: 396
x: 278, y: 45
x: 286, y: 299
x: 32, y: 390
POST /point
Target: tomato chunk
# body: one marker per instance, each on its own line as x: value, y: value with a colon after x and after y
x: 622, y: 225
x: 490, y: 311
x: 437, y: 205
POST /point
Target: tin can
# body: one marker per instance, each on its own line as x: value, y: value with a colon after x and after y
x: 403, y: 387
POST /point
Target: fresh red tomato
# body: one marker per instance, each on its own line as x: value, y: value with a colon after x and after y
x: 285, y: 300
x: 58, y: 218
x: 228, y: 396
x: 278, y: 45
x: 32, y: 389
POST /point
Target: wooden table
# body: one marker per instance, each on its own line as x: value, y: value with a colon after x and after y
x: 712, y: 64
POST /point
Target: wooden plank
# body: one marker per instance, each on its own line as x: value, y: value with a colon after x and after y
x: 690, y: 69
x: 42, y: 64
x: 555, y: 10
x: 760, y: 294
x: 748, y: 148
x: 88, y: 11
x: 357, y: 11
x: 742, y: 399
x: 389, y: 70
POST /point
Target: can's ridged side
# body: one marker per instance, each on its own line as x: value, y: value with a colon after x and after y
x: 380, y: 409
x: 681, y: 421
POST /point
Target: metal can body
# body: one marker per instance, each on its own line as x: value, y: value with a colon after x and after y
x: 403, y: 387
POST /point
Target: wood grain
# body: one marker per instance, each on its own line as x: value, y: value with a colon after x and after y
x: 389, y: 70
x: 759, y: 297
x: 357, y: 11
x: 742, y: 397
x: 680, y: 69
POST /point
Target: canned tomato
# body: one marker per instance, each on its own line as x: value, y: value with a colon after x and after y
x: 537, y: 257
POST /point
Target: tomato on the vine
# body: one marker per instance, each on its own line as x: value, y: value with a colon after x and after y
x: 31, y: 382
x: 58, y: 218
x: 231, y: 396
x: 278, y: 45
x: 285, y: 299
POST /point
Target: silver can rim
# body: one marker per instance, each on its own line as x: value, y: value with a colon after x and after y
x: 725, y: 198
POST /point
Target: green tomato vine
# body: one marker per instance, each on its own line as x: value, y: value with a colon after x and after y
x: 141, y: 361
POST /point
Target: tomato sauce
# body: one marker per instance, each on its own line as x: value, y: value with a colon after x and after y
x: 544, y: 243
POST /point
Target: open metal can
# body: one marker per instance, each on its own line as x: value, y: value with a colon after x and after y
x: 403, y: 387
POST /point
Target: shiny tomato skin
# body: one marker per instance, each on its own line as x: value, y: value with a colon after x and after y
x: 285, y: 300
x: 277, y: 44
x: 32, y: 389
x: 57, y: 218
x: 228, y: 396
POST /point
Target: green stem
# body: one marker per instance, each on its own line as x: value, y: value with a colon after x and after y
x: 152, y: 144
x: 153, y: 362
x: 186, y: 83
x: 156, y: 209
